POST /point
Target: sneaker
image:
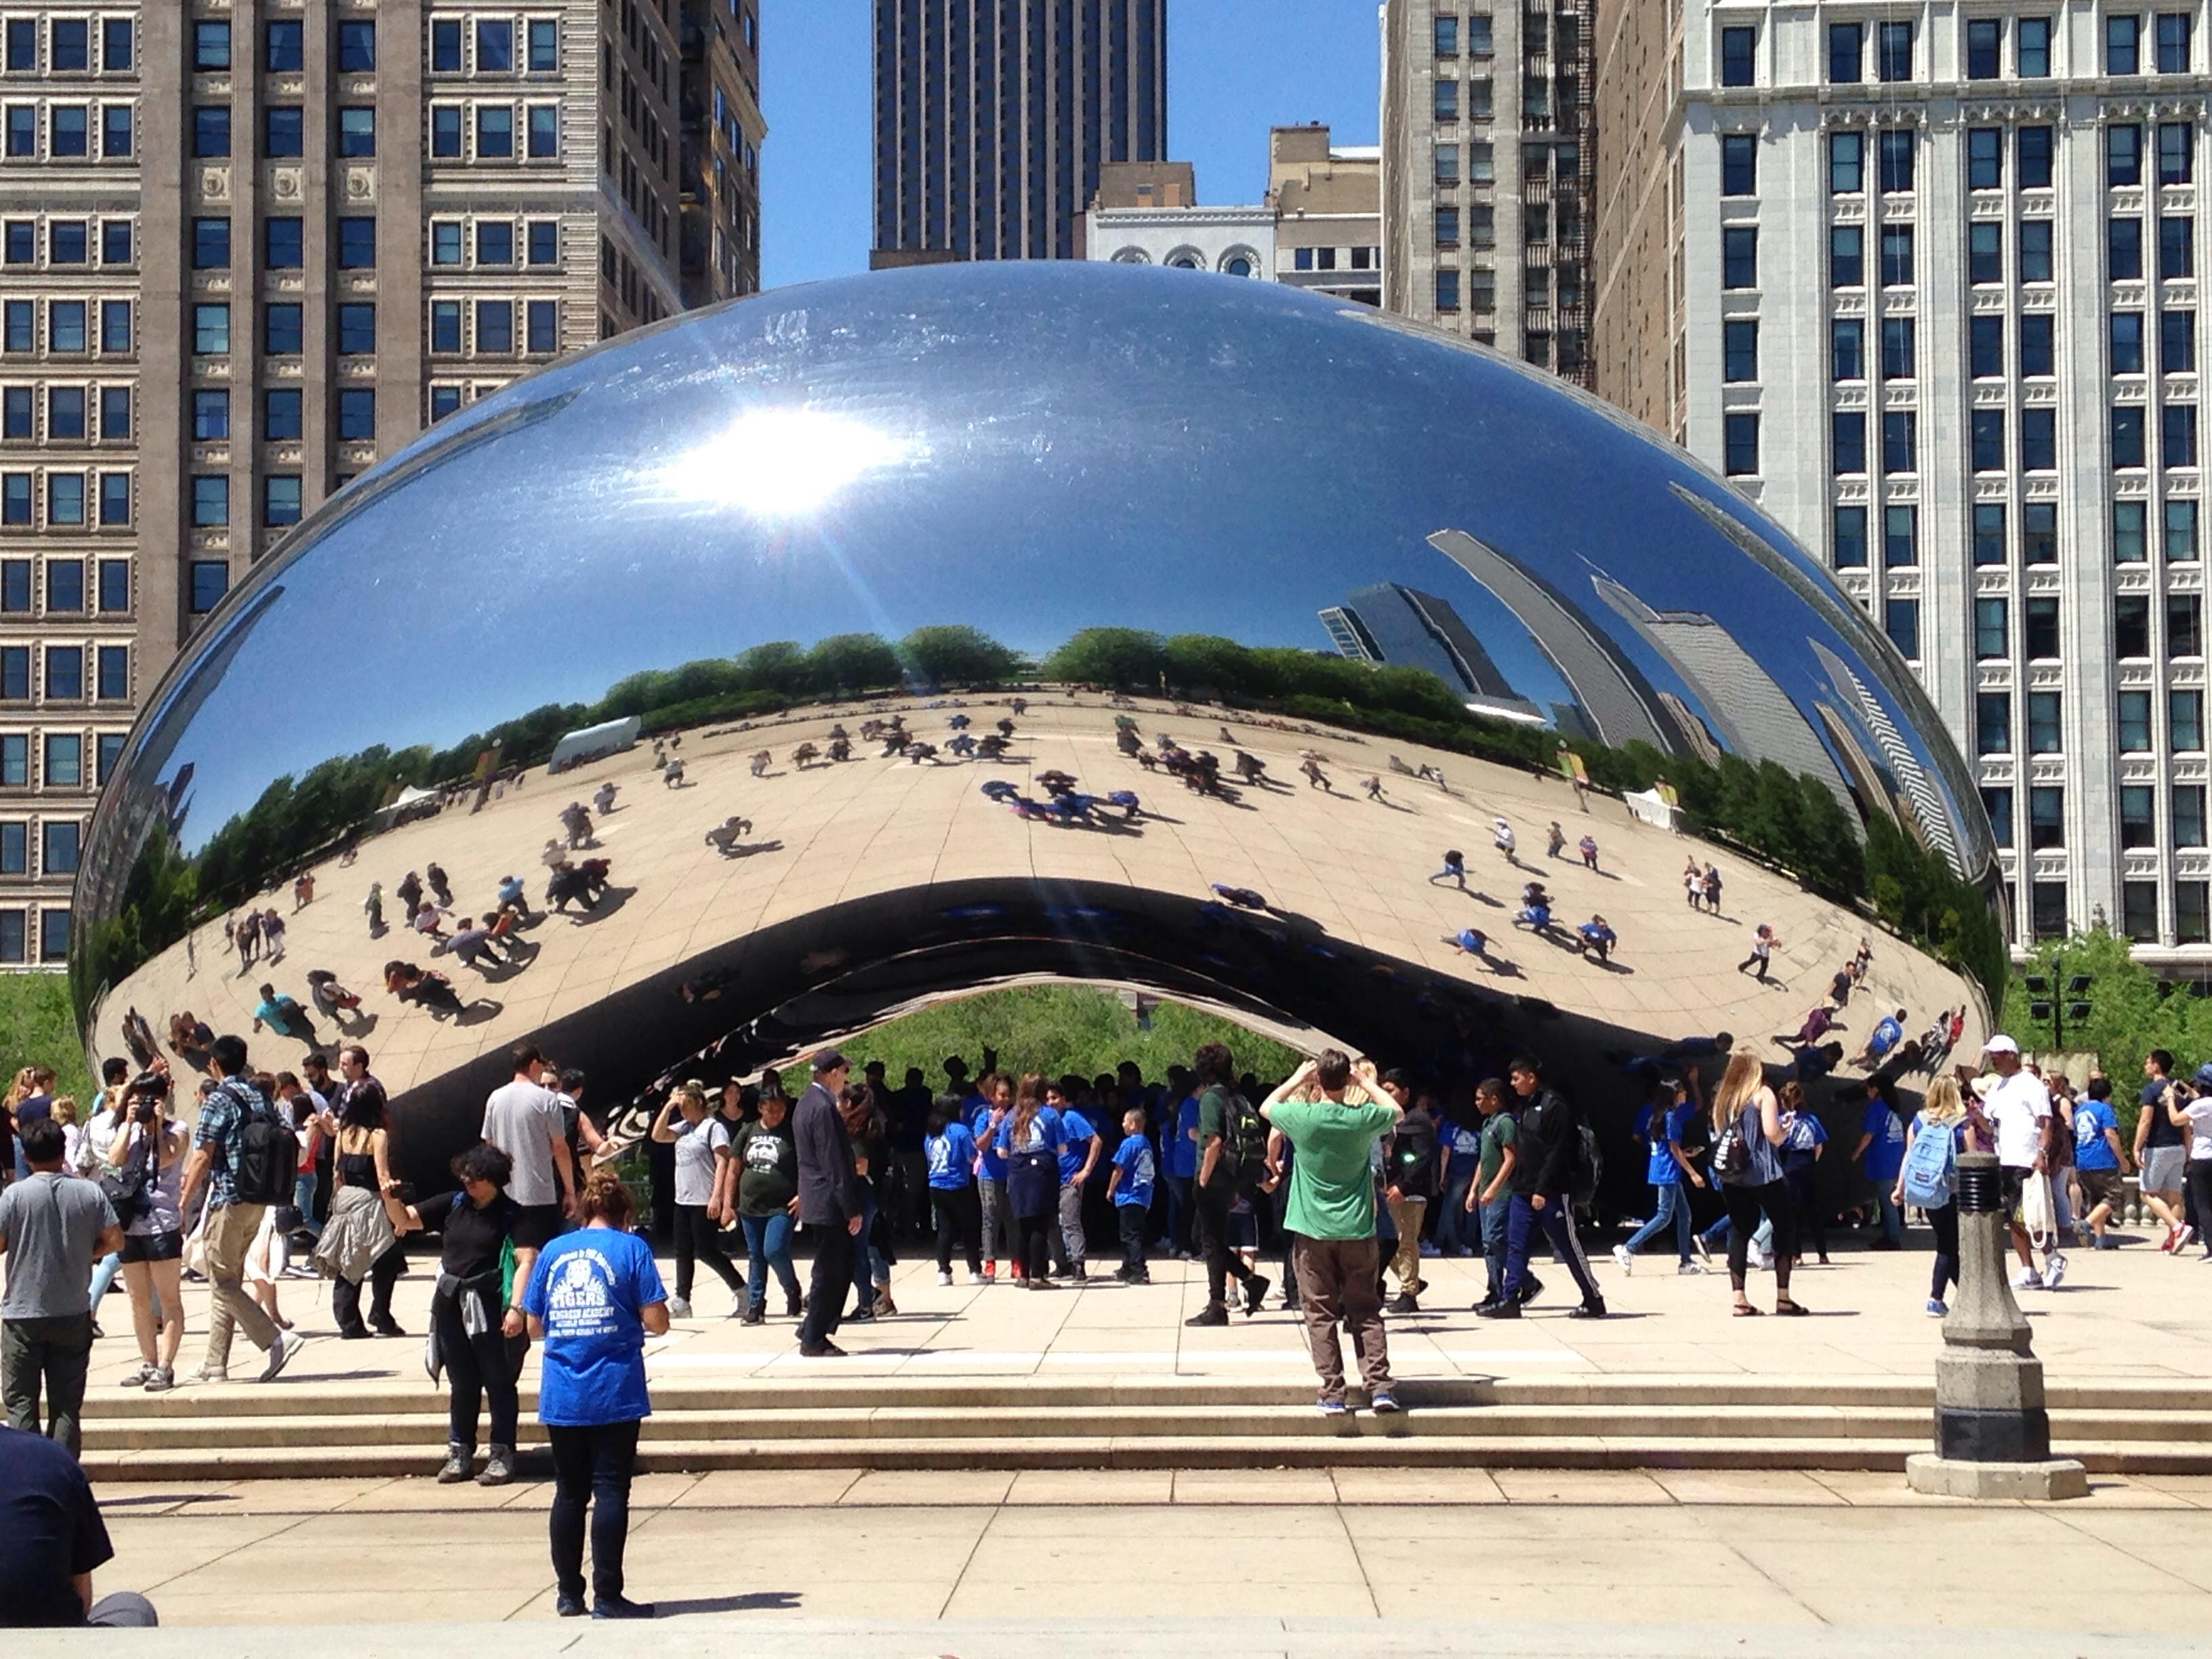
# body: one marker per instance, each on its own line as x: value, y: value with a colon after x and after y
x: 1212, y: 1313
x: 990, y: 1272
x: 678, y: 1307
x: 2054, y: 1271
x: 281, y: 1352
x: 1593, y: 1309
x: 2182, y: 1235
x: 1688, y: 1269
x: 821, y: 1351
x: 1498, y: 1310
x: 2027, y: 1279
x: 1331, y: 1407
x: 977, y: 1279
x: 1531, y: 1288
x: 460, y: 1464
x: 499, y: 1468
x: 2106, y: 1242
x: 753, y: 1316
x: 1936, y: 1309
x: 206, y: 1373
x: 620, y: 1607
x: 386, y: 1327
x: 944, y: 1279
x: 161, y: 1381
x: 1382, y: 1402
x: 137, y: 1379
x: 1705, y: 1250
x: 2165, y: 1245
x: 568, y: 1607
x: 1405, y: 1304
x: 1621, y: 1257
x: 1255, y: 1291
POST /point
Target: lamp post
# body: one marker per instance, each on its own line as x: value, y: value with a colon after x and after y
x: 1992, y: 1431
x: 2047, y: 1001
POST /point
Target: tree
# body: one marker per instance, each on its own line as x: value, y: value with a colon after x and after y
x: 1126, y: 659
x: 852, y: 662
x: 943, y: 656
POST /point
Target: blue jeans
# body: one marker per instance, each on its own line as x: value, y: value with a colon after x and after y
x: 1456, y: 1233
x: 869, y: 1268
x: 303, y: 1200
x: 1892, y: 1218
x: 1671, y: 1208
x: 767, y: 1245
x: 1494, y: 1215
x: 103, y: 1277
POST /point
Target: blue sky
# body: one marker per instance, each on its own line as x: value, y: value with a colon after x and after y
x: 1234, y: 69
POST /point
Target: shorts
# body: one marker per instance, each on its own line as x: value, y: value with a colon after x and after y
x: 2161, y: 1168
x: 2097, y: 1187
x: 153, y: 1247
x: 2015, y: 1181
x: 537, y: 1225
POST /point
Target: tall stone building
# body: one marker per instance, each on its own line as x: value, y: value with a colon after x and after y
x: 994, y: 119
x: 1922, y: 284
x: 1488, y: 158
x: 252, y: 246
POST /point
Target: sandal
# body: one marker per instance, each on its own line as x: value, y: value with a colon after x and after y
x: 1792, y: 1309
x: 1745, y: 1310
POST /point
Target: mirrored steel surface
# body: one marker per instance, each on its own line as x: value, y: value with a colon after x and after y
x: 1247, y: 518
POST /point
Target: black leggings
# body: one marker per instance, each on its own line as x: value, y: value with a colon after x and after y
x: 592, y: 1466
x: 383, y: 1274
x: 959, y: 1215
x: 1803, y: 1198
x: 1744, y: 1205
x: 1943, y: 1222
x: 698, y: 1240
x: 1033, y: 1242
x: 1221, y: 1263
x: 476, y: 1367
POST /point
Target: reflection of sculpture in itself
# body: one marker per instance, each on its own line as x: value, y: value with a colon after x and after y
x: 1390, y: 623
x: 1617, y: 702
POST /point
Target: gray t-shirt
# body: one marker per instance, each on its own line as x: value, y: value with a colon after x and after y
x: 524, y: 1120
x: 696, y: 1146
x: 52, y: 1223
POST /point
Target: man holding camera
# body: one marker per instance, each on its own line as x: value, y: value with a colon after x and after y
x: 53, y: 1226
x: 219, y: 1155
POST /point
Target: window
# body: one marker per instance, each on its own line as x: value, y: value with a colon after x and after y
x: 2035, y: 251
x: 210, y: 244
x: 1448, y: 289
x: 494, y: 130
x: 53, y: 935
x: 2130, y: 545
x: 210, y: 580
x: 444, y: 132
x: 1847, y: 439
x: 1985, y: 252
x: 281, y: 327
x: 2037, y: 352
x: 357, y: 413
x: 2174, y: 43
x: 494, y: 46
x: 445, y: 325
x: 15, y: 851
x: 71, y: 130
x: 1897, y: 349
x: 280, y: 499
x: 1740, y: 256
x: 1900, y: 538
x: 356, y: 47
x: 494, y: 242
x: 545, y: 131
x: 115, y: 45
x: 2127, y: 432
x: 356, y: 244
x: 107, y: 753
x: 1846, y: 163
x: 1739, y: 49
x: 2192, y: 911
x: 2032, y: 48
x: 2185, y: 719
x: 1985, y: 49
x: 64, y: 680
x: 2177, y: 246
x: 1901, y: 620
x: 2177, y: 343
x: 1989, y: 533
x: 280, y: 413
x: 284, y: 130
x: 357, y: 131
x: 2188, y: 814
x: 1847, y: 256
x: 495, y: 326
x: 2177, y: 149
x: 1740, y: 438
x: 1893, y: 51
x: 2135, y: 726
x: 1896, y: 151
x: 65, y: 585
x: 2131, y: 626
x: 1986, y: 355
x: 18, y: 412
x: 210, y: 501
x: 65, y: 325
x: 115, y: 498
x: 2185, y: 630
x: 1444, y: 104
x: 1897, y: 256
x: 446, y: 46
x: 285, y: 49
x: 444, y: 400
x: 57, y: 841
x: 544, y: 325
x: 284, y: 244
x: 1851, y: 537
x: 65, y: 242
x: 71, y: 44
x: 1847, y: 52
x: 1996, y: 802
x: 1988, y: 428
x: 1447, y: 164
x: 2126, y: 333
x: 210, y: 329
x: 2038, y: 526
x: 2043, y: 723
x: 114, y: 680
x: 2123, y: 44
x: 1847, y: 349
x: 2138, y: 816
x: 544, y: 241
x: 1985, y: 158
x: 2039, y: 629
x: 1446, y: 40
x: 445, y: 243
x: 356, y: 328
x: 211, y: 129
x: 1740, y: 354
x: 2180, y: 532
x: 1739, y: 164
x: 210, y: 47
x: 15, y: 686
x: 2177, y: 436
x: 115, y: 242
x: 2139, y: 909
x: 1900, y: 431
x: 2124, y: 154
x: 65, y: 412
x: 115, y: 130
x: 2123, y: 250
x: 1477, y: 33
x: 1992, y: 632
x: 2034, y: 146
x: 114, y: 325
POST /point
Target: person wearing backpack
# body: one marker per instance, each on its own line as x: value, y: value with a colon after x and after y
x: 1748, y: 1137
x: 1928, y: 1180
x: 1549, y: 1142
x: 1409, y: 1180
x: 245, y: 1157
x: 1224, y: 1138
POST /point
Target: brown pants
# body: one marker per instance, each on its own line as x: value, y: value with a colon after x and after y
x: 229, y: 1235
x: 1406, y: 1215
x: 1336, y: 1281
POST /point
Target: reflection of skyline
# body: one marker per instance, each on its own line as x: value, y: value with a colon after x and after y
x: 1389, y: 623
x: 1922, y: 811
x: 1618, y: 704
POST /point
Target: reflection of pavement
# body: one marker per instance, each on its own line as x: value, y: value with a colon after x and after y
x: 868, y: 826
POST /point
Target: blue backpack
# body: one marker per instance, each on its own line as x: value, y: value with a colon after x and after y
x: 1931, y: 1167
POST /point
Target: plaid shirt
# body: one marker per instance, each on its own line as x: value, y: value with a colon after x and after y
x: 221, y: 1125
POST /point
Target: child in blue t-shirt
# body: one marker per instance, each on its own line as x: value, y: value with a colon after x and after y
x: 2100, y: 1160
x: 949, y: 1148
x: 1660, y: 1128
x: 1804, y: 1138
x: 1130, y: 1186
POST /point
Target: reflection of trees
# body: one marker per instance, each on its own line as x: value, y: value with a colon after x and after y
x: 1795, y: 821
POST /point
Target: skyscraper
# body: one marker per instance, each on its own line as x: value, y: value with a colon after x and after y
x: 993, y: 118
x: 1405, y: 627
x: 250, y: 251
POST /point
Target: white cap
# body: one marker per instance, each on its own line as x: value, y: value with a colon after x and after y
x: 2001, y: 1044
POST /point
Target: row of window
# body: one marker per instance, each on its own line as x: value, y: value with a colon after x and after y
x: 74, y: 501
x: 353, y: 413
x: 493, y: 330
x: 284, y: 243
x: 66, y: 587
x: 1447, y: 37
x: 284, y: 131
x: 283, y: 328
x: 1848, y: 357
x: 502, y: 46
x: 1991, y: 539
x: 496, y: 242
x: 284, y: 46
x: 58, y: 848
x: 69, y: 43
x: 67, y: 331
x: 69, y: 132
x: 2168, y: 35
x: 68, y: 241
x: 281, y: 500
x: 69, y: 412
x: 64, y: 679
x: 1993, y: 728
x: 2192, y: 911
x: 2036, y: 263
x: 61, y: 755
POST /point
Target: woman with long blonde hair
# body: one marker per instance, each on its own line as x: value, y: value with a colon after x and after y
x: 1747, y: 1135
x: 1943, y: 1112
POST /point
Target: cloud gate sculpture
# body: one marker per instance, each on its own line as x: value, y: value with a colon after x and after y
x: 873, y: 641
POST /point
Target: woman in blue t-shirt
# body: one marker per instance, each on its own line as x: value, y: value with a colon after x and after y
x: 594, y: 1298
x: 1029, y: 1141
x: 948, y: 1151
x: 1666, y: 1168
x: 985, y: 1118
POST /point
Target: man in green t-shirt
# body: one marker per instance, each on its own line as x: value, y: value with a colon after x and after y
x: 1332, y: 1113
